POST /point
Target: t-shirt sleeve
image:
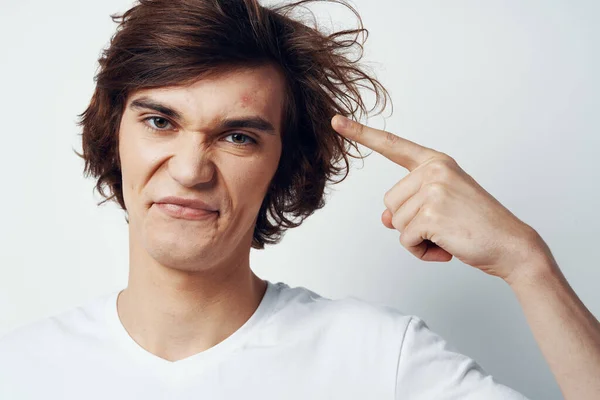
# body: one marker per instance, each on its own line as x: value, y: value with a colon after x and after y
x: 428, y: 368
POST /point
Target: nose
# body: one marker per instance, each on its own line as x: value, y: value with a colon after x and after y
x: 191, y: 165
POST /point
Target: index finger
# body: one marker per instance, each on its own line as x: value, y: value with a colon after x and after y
x: 395, y: 148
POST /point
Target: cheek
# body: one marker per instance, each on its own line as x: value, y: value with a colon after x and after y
x: 136, y: 159
x: 252, y: 180
x: 123, y: 155
x: 248, y: 181
x: 136, y: 154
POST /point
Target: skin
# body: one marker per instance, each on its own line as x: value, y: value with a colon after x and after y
x: 442, y: 212
x: 190, y: 284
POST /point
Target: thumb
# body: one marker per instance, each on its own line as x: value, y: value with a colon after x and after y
x: 386, y: 218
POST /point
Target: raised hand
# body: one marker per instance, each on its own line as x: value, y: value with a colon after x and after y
x: 441, y: 211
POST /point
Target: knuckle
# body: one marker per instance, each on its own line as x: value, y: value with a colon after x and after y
x: 387, y: 200
x: 428, y: 213
x: 445, y: 157
x: 439, y: 170
x: 399, y: 223
x: 434, y: 190
x: 404, y: 240
x: 450, y: 162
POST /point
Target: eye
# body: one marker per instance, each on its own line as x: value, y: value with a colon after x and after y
x: 240, y: 136
x: 157, y: 123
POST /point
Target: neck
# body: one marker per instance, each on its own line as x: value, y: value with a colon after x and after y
x: 175, y: 314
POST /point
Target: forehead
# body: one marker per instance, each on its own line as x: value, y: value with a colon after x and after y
x: 257, y: 90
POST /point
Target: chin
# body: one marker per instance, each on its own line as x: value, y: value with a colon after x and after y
x: 179, y: 251
x: 182, y: 259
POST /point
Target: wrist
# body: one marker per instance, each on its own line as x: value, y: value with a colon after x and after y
x: 536, y: 267
x: 534, y: 273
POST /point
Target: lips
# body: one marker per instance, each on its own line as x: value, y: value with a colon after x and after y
x: 188, y: 202
x: 186, y: 208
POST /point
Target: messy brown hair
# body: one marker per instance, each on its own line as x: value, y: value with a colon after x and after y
x: 160, y: 43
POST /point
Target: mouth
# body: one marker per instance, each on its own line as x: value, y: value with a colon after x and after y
x: 183, y: 212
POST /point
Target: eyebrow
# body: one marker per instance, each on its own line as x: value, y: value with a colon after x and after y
x: 252, y: 122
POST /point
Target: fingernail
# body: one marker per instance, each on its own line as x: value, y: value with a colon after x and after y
x: 343, y: 122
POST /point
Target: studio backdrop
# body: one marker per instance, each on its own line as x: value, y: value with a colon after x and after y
x: 509, y: 89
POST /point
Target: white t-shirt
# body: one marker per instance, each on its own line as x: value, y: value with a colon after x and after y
x: 296, y: 345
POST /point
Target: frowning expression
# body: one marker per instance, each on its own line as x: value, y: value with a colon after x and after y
x: 217, y: 142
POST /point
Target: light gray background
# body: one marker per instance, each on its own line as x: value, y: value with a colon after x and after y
x: 508, y: 88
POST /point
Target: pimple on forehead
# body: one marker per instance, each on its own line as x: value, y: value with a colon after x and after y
x: 246, y: 99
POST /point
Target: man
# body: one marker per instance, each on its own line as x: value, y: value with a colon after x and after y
x: 211, y: 123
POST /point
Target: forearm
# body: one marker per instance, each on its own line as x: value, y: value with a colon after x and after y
x: 566, y: 331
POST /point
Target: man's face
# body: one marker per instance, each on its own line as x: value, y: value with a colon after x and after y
x: 198, y: 151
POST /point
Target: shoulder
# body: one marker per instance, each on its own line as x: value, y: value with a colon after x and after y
x: 49, y: 336
x: 299, y: 306
x: 430, y: 366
